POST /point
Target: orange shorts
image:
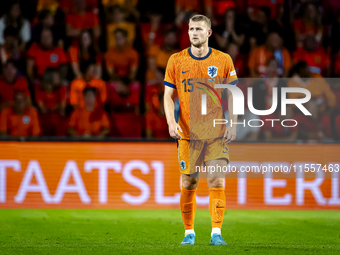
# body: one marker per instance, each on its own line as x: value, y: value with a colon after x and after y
x: 192, y: 153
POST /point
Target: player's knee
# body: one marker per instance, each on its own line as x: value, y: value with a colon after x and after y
x: 215, y: 182
x: 189, y: 183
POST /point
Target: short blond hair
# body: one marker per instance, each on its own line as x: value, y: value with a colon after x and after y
x: 200, y: 17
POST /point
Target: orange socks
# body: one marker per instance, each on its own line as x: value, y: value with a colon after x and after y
x: 217, y: 206
x: 188, y: 207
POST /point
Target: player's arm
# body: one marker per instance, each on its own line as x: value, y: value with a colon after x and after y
x: 169, y: 108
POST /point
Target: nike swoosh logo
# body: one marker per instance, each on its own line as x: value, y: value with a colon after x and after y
x: 185, y: 71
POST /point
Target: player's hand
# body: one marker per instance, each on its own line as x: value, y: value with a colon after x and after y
x: 230, y: 134
x: 173, y: 131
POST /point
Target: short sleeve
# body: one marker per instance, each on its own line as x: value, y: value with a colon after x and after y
x: 170, y: 73
x: 230, y: 72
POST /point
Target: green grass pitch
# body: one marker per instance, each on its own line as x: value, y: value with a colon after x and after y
x: 161, y: 231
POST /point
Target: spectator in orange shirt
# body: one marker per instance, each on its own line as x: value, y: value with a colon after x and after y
x: 19, y: 120
x: 44, y: 55
x: 116, y: 19
x: 77, y: 86
x: 84, y: 52
x: 81, y: 19
x: 309, y: 24
x: 89, y: 121
x: 121, y: 61
x: 10, y: 49
x: 316, y: 58
x: 158, y: 55
x: 272, y: 48
x: 318, y: 87
x: 11, y: 82
x: 51, y: 99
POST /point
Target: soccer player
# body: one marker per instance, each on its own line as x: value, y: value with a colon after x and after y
x: 184, y: 72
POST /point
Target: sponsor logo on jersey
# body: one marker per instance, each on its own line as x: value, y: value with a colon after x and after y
x: 232, y: 73
x: 212, y: 71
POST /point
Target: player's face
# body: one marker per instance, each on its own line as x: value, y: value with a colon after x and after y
x: 198, y: 33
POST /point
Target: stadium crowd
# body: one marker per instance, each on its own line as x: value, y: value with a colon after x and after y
x: 95, y: 68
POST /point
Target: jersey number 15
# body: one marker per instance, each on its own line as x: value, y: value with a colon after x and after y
x: 190, y: 85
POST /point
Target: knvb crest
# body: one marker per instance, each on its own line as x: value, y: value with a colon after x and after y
x: 212, y: 71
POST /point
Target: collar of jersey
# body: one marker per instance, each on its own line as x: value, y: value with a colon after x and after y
x: 196, y: 58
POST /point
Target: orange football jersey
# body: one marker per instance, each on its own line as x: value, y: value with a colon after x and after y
x: 193, y: 77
